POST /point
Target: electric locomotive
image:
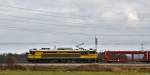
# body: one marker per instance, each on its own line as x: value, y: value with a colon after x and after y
x: 62, y: 55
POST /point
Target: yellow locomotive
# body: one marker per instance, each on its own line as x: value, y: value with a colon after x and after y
x: 62, y: 55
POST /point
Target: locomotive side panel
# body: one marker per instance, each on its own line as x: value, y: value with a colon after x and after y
x: 62, y: 56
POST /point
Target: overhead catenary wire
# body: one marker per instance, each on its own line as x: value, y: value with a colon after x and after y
x: 55, y: 14
x: 83, y: 23
x: 56, y: 25
x: 40, y: 12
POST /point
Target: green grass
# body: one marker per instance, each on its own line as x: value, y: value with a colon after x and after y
x: 67, y: 73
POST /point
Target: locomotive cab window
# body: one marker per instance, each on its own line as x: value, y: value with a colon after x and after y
x: 92, y: 52
x: 32, y: 52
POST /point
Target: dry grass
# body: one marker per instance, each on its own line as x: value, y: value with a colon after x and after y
x: 17, y: 72
x: 89, y: 67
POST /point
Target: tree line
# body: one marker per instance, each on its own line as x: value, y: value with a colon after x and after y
x: 12, y: 58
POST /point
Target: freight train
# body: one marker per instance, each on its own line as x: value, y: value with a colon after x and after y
x: 69, y: 55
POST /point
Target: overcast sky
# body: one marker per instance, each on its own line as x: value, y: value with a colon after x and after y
x: 69, y: 22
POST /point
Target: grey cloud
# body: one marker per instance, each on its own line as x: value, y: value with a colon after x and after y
x: 67, y: 21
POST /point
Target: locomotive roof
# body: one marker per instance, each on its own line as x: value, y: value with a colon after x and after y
x: 62, y: 50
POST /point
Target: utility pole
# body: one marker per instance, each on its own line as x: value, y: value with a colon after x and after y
x: 142, y: 46
x: 54, y: 47
x: 96, y: 42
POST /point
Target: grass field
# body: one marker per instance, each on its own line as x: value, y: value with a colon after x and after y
x: 7, y: 72
x: 86, y: 68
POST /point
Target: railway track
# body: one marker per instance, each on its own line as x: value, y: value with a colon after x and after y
x: 80, y: 64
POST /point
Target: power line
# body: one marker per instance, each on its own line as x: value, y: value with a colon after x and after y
x: 52, y: 15
x: 39, y: 19
x: 35, y: 20
x: 41, y: 11
x: 44, y: 15
x: 69, y: 17
x: 45, y: 21
x: 24, y: 43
